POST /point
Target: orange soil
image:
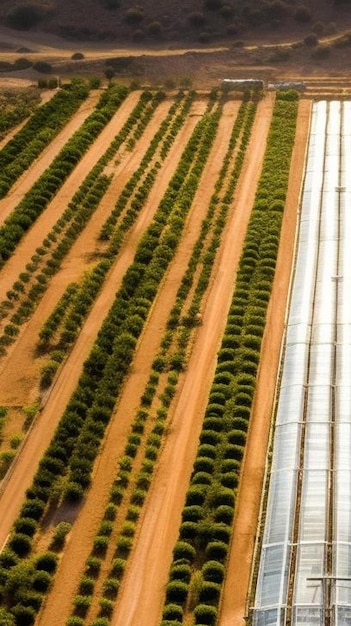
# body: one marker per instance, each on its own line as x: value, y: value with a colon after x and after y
x: 249, y: 497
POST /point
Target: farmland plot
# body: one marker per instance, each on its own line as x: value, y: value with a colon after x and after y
x: 109, y: 311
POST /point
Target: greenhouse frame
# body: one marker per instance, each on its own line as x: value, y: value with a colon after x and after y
x: 304, y: 575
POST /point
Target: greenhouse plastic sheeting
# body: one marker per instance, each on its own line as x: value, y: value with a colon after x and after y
x: 314, y: 401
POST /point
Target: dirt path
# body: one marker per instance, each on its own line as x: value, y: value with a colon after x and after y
x: 249, y: 497
x: 143, y: 589
x: 15, y: 389
x: 60, y: 600
x: 44, y: 160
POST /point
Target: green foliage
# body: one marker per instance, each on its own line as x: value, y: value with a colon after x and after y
x: 184, y: 550
x: 82, y: 604
x: 46, y: 562
x: 173, y: 612
x: 61, y: 531
x: 6, y: 618
x: 213, y: 571
x: 177, y: 591
x: 205, y: 614
x: 20, y: 543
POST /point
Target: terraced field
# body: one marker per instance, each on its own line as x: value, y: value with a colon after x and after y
x: 139, y: 295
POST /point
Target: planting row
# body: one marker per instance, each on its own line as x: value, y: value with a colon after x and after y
x: 31, y: 285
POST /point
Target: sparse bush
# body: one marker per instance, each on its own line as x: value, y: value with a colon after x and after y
x: 205, y: 614
x: 154, y: 29
x: 311, y: 40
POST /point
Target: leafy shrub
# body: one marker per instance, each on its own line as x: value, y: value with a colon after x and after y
x: 82, y: 604
x: 217, y: 551
x: 74, y: 620
x: 118, y: 567
x: 46, y: 562
x: 110, y: 588
x: 213, y: 571
x: 205, y: 614
x: 134, y: 15
x: 41, y: 581
x: 20, y: 544
x: 184, y: 550
x: 93, y: 566
x: 61, y: 531
x: 25, y: 615
x: 181, y: 571
x: 100, y: 545
x: 210, y: 592
x: 176, y: 591
x: 173, y: 612
x: 86, y: 585
x: 26, y: 525
x: 106, y: 607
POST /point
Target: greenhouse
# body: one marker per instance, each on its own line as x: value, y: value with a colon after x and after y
x: 304, y: 575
